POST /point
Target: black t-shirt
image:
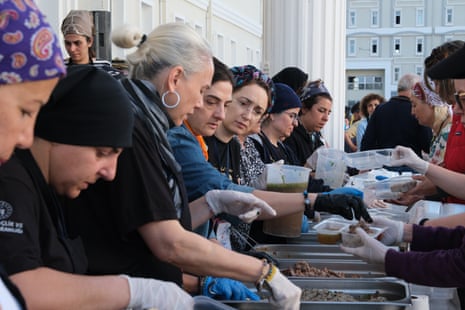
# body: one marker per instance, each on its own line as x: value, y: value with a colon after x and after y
x: 303, y: 143
x: 225, y: 157
x: 271, y: 153
x: 30, y: 236
x: 108, y: 214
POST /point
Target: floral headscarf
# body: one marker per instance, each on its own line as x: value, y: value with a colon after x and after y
x: 245, y: 74
x: 29, y: 49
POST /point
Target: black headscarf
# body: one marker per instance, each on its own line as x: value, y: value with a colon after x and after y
x: 292, y: 77
x: 88, y: 108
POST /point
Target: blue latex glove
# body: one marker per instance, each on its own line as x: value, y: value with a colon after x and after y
x: 346, y: 191
x: 305, y: 225
x: 227, y: 289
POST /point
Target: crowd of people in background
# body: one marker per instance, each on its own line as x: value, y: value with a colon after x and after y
x: 158, y: 161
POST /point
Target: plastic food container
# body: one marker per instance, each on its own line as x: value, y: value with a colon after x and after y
x: 391, y: 188
x: 352, y: 240
x: 329, y: 231
x: 205, y: 303
x: 331, y: 167
x: 367, y: 160
x: 288, y: 179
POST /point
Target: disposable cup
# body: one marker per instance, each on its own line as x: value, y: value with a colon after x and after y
x: 287, y: 179
x: 331, y: 167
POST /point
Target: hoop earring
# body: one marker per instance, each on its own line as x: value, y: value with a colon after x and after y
x: 178, y: 99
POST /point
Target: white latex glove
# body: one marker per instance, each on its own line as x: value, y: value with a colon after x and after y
x: 244, y: 205
x: 372, y: 250
x: 377, y: 204
x: 395, y: 230
x: 285, y: 295
x: 151, y: 293
x: 405, y: 156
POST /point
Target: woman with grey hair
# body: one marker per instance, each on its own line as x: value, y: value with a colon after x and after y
x: 147, y: 219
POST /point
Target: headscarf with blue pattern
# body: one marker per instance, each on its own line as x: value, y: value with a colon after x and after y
x: 243, y: 75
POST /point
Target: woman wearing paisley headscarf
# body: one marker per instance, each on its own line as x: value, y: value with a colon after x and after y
x: 431, y: 111
x: 30, y: 66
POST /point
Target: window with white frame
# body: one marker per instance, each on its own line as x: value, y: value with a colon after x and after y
x: 419, y: 46
x: 233, y: 52
x: 396, y: 74
x: 374, y: 18
x: 352, y: 20
x: 397, y: 17
x: 449, y: 18
x: 352, y: 82
x: 374, y: 46
x: 419, y: 70
x: 199, y: 29
x: 396, y: 46
x: 420, y: 17
x: 179, y: 19
x: 220, y: 46
x: 364, y: 82
x: 352, y: 47
x: 249, y: 55
x: 147, y: 17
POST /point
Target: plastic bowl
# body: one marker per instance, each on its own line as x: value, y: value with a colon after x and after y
x: 352, y: 240
x: 367, y: 160
x: 329, y: 231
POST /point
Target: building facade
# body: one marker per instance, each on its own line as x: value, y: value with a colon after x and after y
x: 269, y: 34
x: 234, y: 28
x: 389, y: 38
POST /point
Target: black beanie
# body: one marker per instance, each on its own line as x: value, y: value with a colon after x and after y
x: 88, y: 108
x: 285, y: 99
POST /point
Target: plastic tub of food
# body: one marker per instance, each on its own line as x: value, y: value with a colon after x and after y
x: 287, y: 179
x: 367, y: 160
x: 206, y: 303
x: 329, y: 231
x: 391, y: 188
x: 350, y: 238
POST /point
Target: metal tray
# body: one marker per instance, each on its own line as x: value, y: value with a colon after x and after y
x: 351, y: 269
x: 305, y: 238
x: 396, y: 291
x: 311, y: 251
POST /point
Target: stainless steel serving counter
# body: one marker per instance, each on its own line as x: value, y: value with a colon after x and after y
x: 305, y: 251
x: 395, y: 291
x: 351, y: 269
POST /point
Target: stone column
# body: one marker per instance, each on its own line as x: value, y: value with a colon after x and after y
x: 310, y: 34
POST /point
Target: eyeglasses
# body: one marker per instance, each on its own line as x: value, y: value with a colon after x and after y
x: 247, y: 105
x: 292, y: 115
x: 460, y: 99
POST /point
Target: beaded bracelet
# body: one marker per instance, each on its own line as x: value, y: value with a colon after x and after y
x: 264, y: 275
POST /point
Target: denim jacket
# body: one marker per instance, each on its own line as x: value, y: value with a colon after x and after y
x: 199, y: 175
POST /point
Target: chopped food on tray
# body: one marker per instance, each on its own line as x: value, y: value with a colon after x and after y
x: 314, y: 294
x: 304, y: 269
